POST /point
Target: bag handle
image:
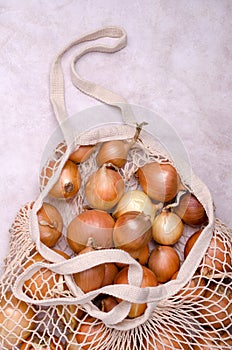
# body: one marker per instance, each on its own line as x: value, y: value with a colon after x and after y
x: 57, y: 89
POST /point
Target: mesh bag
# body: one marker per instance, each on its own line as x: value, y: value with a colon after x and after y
x: 43, y: 306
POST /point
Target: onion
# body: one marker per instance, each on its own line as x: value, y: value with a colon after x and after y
x: 111, y: 271
x: 104, y: 188
x: 36, y: 343
x: 164, y: 262
x: 167, y: 228
x: 215, y: 310
x: 94, y: 224
x: 159, y: 181
x: 135, y: 200
x: 132, y: 231
x: 44, y: 283
x: 92, y: 278
x: 50, y: 224
x: 16, y: 321
x: 168, y: 338
x: 108, y: 303
x: 141, y: 255
x: 217, y: 257
x: 114, y: 152
x: 191, y: 211
x: 91, y: 334
x: 148, y: 280
x: 193, y: 290
x: 82, y: 153
x: 68, y: 183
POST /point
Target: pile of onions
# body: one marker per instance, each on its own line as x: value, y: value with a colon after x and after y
x: 191, y: 211
x: 148, y: 280
x: 50, y: 224
x: 94, y: 224
x: 104, y: 188
x: 159, y: 181
x: 17, y: 320
x: 68, y: 183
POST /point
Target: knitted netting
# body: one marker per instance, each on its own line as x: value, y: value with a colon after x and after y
x: 192, y: 312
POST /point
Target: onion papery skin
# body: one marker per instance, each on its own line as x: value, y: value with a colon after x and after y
x: 148, y: 280
x: 104, y: 188
x: 114, y: 152
x: 50, y: 224
x: 82, y: 153
x: 164, y: 262
x: 159, y: 181
x: 90, y: 279
x: 94, y: 224
x: 111, y: 270
x: 132, y: 231
x: 68, y: 183
x: 16, y: 320
x: 191, y: 211
x: 135, y: 200
x: 167, y: 228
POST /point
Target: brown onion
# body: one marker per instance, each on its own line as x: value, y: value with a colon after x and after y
x: 104, y: 188
x: 92, y: 278
x: 43, y: 283
x: 91, y: 223
x: 82, y: 153
x: 50, y: 224
x: 90, y: 334
x: 148, y: 280
x: 159, y: 181
x: 36, y: 343
x: 167, y: 339
x: 16, y: 320
x: 191, y: 211
x: 141, y: 255
x: 111, y: 271
x: 68, y: 183
x: 132, y: 231
x: 217, y: 257
x: 114, y: 152
x: 215, y: 310
x: 167, y: 228
x: 164, y: 262
x: 108, y: 303
x: 193, y: 290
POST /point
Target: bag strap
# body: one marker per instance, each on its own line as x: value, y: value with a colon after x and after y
x: 57, y: 89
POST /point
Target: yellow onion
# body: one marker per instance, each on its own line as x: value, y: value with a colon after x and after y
x: 136, y: 200
x: 82, y: 153
x: 68, y: 183
x: 215, y: 310
x: 159, y: 181
x: 141, y: 255
x: 92, y: 278
x: 217, y: 257
x: 36, y: 343
x: 132, y: 231
x: 167, y: 228
x: 43, y: 283
x: 164, y: 262
x: 104, y: 188
x: 108, y: 303
x: 16, y: 321
x: 111, y: 271
x: 168, y: 338
x: 114, y: 152
x: 193, y: 290
x: 148, y: 280
x: 190, y: 210
x: 94, y: 224
x: 50, y: 224
x: 91, y: 334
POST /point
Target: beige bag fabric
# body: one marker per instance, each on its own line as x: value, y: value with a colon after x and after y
x: 192, y: 311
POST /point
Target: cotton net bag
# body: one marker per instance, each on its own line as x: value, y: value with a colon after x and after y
x: 49, y: 295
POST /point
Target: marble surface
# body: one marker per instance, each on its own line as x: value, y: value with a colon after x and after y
x: 178, y: 63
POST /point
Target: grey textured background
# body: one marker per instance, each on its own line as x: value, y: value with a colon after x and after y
x: 178, y: 63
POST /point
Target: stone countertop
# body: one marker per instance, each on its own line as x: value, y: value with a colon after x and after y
x: 178, y: 63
